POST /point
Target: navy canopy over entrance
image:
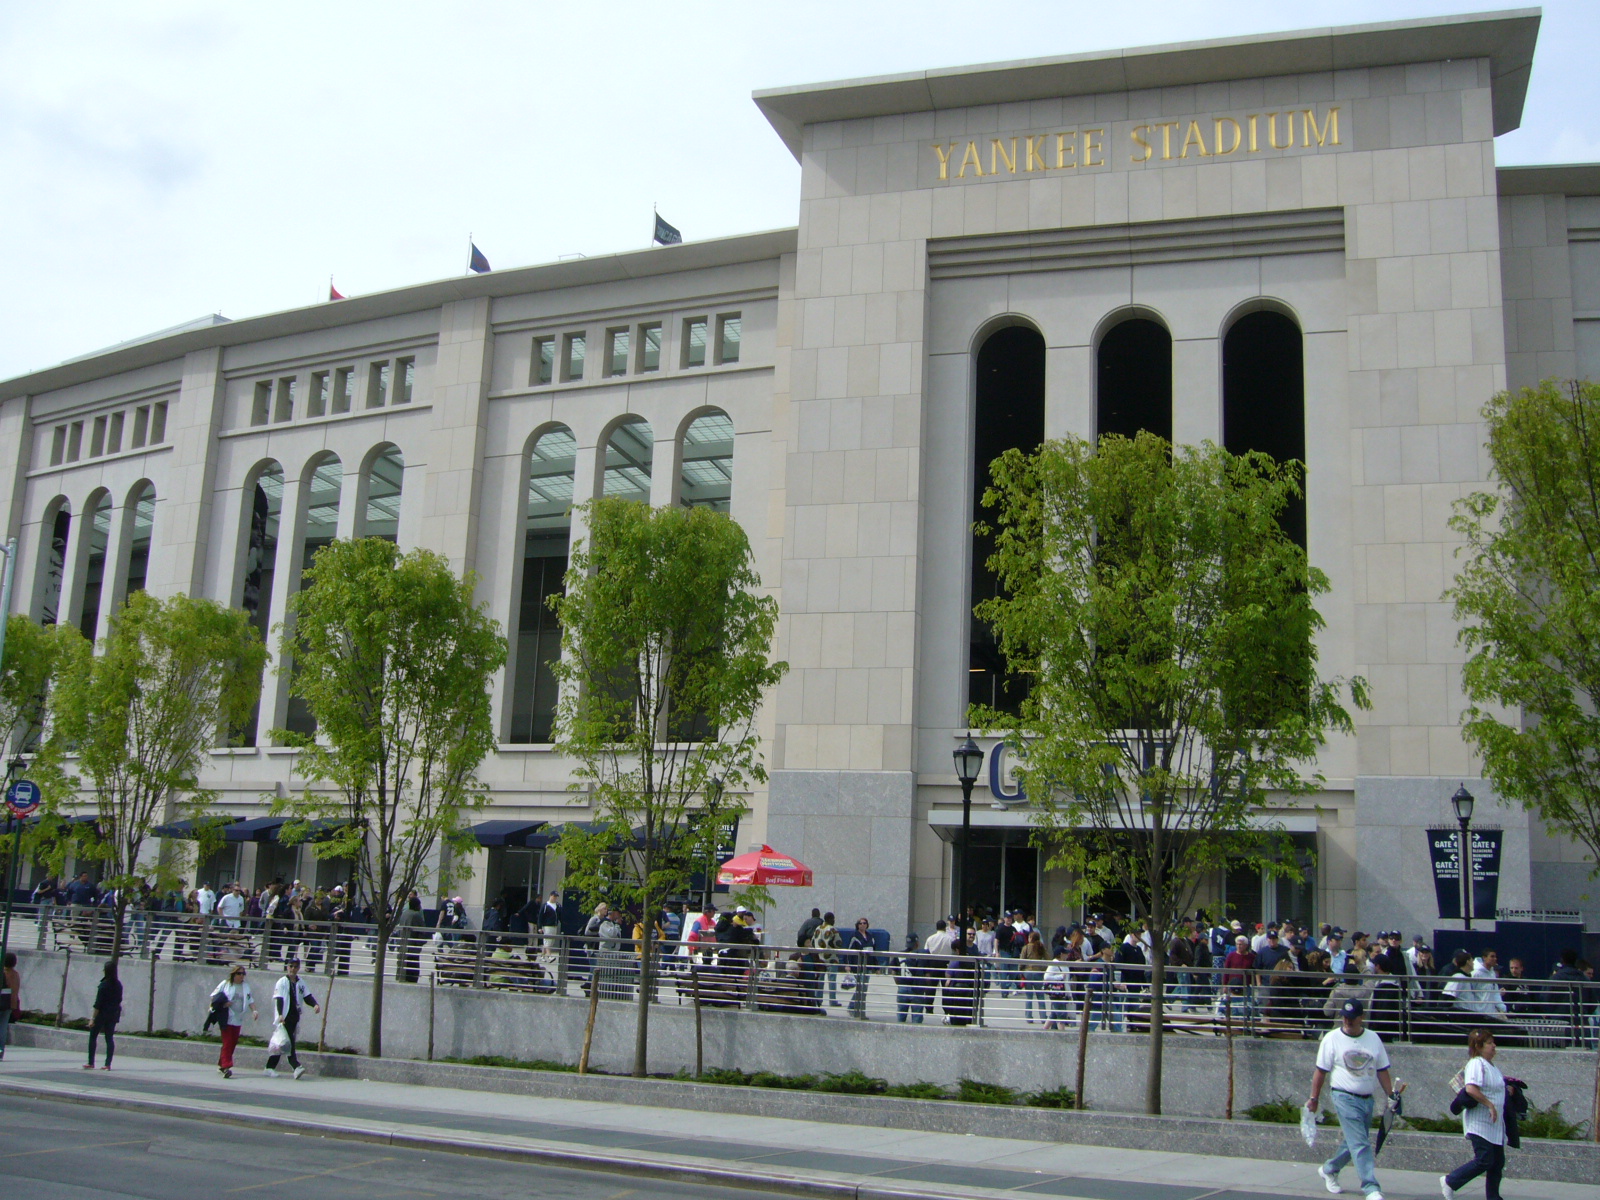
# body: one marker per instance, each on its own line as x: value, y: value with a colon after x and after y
x: 506, y: 833
x: 187, y: 827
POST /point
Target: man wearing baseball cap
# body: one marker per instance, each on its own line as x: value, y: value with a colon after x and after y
x: 1356, y: 1059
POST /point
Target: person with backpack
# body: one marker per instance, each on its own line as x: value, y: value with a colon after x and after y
x: 289, y: 997
x: 229, y: 999
x: 107, y: 1012
x: 10, y: 998
x: 825, y: 940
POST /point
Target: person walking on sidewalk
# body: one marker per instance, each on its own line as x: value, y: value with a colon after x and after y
x: 289, y: 996
x: 10, y: 998
x: 107, y: 1012
x: 235, y: 991
x: 1483, y: 1124
x: 1359, y: 1064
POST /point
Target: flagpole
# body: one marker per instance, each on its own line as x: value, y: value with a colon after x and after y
x: 469, y: 251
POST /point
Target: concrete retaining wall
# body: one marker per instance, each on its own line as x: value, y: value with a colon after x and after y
x: 468, y: 1023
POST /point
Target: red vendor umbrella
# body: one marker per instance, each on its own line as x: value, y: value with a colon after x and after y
x: 765, y: 868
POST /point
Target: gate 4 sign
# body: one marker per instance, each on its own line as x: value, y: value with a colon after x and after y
x: 22, y: 797
x: 1444, y: 848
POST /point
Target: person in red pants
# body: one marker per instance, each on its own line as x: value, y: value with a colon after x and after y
x: 233, y: 992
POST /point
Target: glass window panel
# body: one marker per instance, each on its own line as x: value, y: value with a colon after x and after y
x: 408, y: 379
x: 343, y: 389
x: 158, y: 424
x: 551, y: 465
x: 728, y: 339
x: 577, y: 346
x: 694, y: 343
x: 617, y: 352
x: 286, y: 390
x: 114, y: 436
x: 74, y: 441
x: 95, y: 568
x: 144, y: 516
x: 628, y: 455
x: 650, y: 347
x: 97, y: 439
x: 260, y: 410
x: 544, y: 360
x: 58, y: 446
x: 321, y: 393
x: 385, y: 480
x: 707, y: 478
x: 378, y: 385
x: 55, y: 566
x: 266, y: 504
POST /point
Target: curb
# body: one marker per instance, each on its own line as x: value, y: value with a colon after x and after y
x: 677, y: 1170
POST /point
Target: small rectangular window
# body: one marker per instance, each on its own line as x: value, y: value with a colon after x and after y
x: 321, y: 392
x: 544, y: 361
x: 650, y: 347
x: 97, y: 439
x: 408, y: 381
x: 728, y: 330
x: 260, y: 410
x: 285, y: 410
x: 158, y: 424
x: 58, y: 446
x: 141, y: 422
x: 114, y: 435
x: 378, y: 385
x: 344, y: 389
x: 617, y: 341
x: 572, y: 356
x: 694, y: 342
x: 75, y: 441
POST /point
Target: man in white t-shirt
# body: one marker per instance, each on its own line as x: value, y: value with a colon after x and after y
x: 1359, y: 1065
x: 231, y: 906
x: 207, y: 899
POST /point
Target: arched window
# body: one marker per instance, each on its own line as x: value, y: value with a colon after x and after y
x: 385, y: 479
x: 142, y: 517
x: 321, y: 500
x: 94, y: 566
x: 629, y: 451
x: 1264, y: 397
x: 264, y: 506
x: 706, y: 478
x: 1009, y: 414
x: 1133, y: 380
x: 57, y: 531
x: 547, y: 528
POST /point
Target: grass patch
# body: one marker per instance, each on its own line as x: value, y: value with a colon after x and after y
x: 853, y: 1083
x: 519, y: 1064
x: 973, y: 1091
x: 1061, y: 1097
x: 917, y: 1091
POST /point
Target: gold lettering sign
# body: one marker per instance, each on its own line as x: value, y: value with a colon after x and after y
x: 1187, y: 140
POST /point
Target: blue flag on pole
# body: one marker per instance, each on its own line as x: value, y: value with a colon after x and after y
x: 667, y: 235
x: 479, y: 263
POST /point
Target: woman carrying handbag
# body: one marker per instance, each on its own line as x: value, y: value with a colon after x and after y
x: 1483, y: 1120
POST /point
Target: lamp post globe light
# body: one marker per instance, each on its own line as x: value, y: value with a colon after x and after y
x: 1463, y: 801
x: 969, y: 761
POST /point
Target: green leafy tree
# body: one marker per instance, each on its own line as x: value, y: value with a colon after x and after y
x: 1166, y: 625
x: 1528, y: 602
x: 142, y: 716
x: 666, y: 657
x: 33, y: 653
x: 394, y: 659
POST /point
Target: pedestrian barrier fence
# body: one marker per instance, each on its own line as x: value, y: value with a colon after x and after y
x: 913, y: 987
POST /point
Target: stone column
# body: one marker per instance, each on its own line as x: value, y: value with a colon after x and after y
x: 454, y: 470
x: 182, y: 532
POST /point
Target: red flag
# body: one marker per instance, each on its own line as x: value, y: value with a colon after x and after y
x: 333, y: 292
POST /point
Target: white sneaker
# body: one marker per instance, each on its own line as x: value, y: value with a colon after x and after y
x: 1444, y: 1186
x: 1331, y: 1182
x: 269, y: 1072
x: 299, y: 1071
x: 1374, y: 1196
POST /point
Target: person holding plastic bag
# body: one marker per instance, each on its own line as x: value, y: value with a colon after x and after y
x: 1358, y: 1064
x: 289, y: 997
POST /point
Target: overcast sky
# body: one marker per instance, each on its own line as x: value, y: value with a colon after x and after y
x: 167, y: 160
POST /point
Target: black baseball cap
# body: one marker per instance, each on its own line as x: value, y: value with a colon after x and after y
x: 1351, y: 1009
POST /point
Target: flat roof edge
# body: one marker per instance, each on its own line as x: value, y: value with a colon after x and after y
x: 416, y: 297
x: 1549, y: 179
x: 1506, y: 38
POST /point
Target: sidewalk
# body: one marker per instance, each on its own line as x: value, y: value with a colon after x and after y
x: 801, y: 1156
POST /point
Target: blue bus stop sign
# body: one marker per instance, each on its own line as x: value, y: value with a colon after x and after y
x: 22, y: 797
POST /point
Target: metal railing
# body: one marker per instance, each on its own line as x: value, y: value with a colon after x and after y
x: 870, y: 985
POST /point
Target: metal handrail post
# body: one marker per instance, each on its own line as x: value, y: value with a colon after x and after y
x: 477, y: 957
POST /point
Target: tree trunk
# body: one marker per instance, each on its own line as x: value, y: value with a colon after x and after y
x: 588, y: 1028
x: 1227, y: 1025
x: 1158, y: 986
x: 1083, y: 1036
x: 380, y: 954
x: 641, y: 1032
x: 699, y: 1030
x: 119, y: 910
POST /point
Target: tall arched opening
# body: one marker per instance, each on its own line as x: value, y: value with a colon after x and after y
x: 1008, y: 414
x: 706, y: 477
x: 320, y: 502
x: 94, y: 566
x: 263, y: 508
x: 1133, y: 380
x: 547, y: 529
x: 1264, y: 396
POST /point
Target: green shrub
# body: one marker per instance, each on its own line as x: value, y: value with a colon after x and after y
x: 768, y: 1079
x: 917, y: 1091
x: 1549, y: 1123
x: 1433, y: 1124
x: 725, y: 1075
x: 499, y: 1060
x: 853, y: 1083
x: 975, y: 1092
x: 1282, y: 1112
x: 1061, y: 1097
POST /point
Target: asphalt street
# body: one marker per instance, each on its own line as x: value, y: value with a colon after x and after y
x: 61, y: 1151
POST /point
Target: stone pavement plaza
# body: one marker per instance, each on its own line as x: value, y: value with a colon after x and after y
x: 768, y: 1151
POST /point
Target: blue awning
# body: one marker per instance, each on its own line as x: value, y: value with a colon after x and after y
x: 505, y: 833
x: 186, y: 827
x: 256, y: 829
x: 551, y: 834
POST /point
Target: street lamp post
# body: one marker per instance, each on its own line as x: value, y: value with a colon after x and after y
x: 1463, y: 802
x: 969, y: 761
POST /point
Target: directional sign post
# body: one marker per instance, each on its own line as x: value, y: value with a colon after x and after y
x: 22, y: 801
x: 22, y: 798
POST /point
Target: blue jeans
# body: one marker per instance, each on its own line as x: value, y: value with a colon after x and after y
x: 1355, y: 1125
